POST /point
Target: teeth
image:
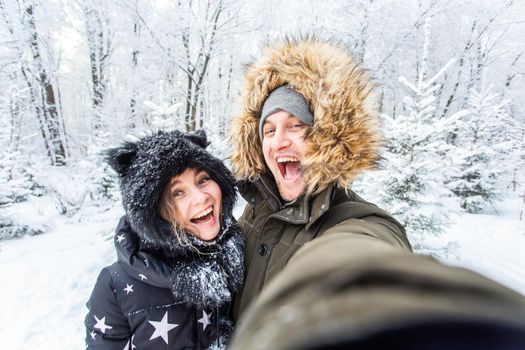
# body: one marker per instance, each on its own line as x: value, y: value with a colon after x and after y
x: 287, y: 159
x: 204, y: 213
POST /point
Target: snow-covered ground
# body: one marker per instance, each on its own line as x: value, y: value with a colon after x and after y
x: 493, y: 245
x: 47, y: 279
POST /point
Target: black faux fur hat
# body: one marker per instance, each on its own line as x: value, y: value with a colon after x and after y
x: 145, y: 168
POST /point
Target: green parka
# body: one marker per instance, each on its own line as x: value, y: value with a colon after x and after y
x: 342, y: 141
x: 275, y: 231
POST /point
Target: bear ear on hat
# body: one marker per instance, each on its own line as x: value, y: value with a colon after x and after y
x: 199, y: 138
x: 120, y: 158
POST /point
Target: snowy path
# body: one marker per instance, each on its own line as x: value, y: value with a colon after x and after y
x: 47, y: 279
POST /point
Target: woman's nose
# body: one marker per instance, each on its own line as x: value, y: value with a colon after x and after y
x: 198, y: 196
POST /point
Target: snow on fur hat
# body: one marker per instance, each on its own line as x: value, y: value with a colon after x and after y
x: 145, y: 168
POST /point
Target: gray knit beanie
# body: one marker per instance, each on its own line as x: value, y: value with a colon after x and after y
x: 287, y: 99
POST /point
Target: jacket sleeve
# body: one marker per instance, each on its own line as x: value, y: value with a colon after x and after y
x: 346, y: 288
x: 384, y: 229
x: 106, y: 326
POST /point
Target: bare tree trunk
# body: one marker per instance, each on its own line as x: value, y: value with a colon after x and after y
x: 197, y: 68
x: 98, y: 40
x: 476, y: 72
x: 474, y: 38
x: 134, y: 61
x: 363, y: 36
x: 512, y: 73
x: 461, y: 64
x: 47, y: 108
x: 229, y: 74
x: 189, y: 123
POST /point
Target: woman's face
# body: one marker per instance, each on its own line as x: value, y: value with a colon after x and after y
x: 197, y: 199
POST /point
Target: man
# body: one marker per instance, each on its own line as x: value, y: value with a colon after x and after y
x: 326, y: 269
x: 308, y: 127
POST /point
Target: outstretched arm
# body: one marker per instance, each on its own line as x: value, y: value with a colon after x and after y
x: 355, y: 291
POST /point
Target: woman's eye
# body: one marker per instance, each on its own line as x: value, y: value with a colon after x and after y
x: 204, y: 180
x: 177, y: 194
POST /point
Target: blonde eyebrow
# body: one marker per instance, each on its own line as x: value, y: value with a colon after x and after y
x: 267, y: 123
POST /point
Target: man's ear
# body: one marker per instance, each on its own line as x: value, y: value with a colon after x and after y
x: 199, y: 138
x: 120, y: 158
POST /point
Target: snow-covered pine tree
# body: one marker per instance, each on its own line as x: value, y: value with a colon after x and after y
x: 484, y: 161
x: 412, y: 183
x: 16, y: 183
x: 164, y: 116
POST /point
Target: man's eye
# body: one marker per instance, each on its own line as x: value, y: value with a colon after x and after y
x: 268, y: 131
x: 297, y: 126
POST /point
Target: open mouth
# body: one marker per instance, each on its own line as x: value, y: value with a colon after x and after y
x: 290, y: 168
x: 204, y: 217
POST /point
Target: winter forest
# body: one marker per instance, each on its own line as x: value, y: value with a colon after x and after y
x: 77, y: 77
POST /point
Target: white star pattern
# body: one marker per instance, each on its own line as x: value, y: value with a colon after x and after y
x: 128, y: 289
x: 142, y: 277
x: 93, y: 334
x: 162, y: 328
x: 120, y: 238
x: 205, y: 320
x: 132, y: 345
x: 101, y: 324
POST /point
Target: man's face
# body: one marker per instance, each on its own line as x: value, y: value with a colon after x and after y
x: 284, y: 148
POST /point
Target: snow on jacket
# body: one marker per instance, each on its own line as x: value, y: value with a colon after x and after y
x: 132, y: 304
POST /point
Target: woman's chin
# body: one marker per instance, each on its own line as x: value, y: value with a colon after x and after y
x: 208, y: 233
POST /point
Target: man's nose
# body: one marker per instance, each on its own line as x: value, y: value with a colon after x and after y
x: 280, y: 139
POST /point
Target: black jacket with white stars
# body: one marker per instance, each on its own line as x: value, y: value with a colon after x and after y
x: 146, y: 301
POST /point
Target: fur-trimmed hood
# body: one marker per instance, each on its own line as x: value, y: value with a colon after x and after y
x: 146, y: 166
x: 344, y: 137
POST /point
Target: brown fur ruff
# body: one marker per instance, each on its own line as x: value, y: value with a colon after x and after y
x: 344, y: 137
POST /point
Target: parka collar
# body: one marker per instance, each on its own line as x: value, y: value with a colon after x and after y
x: 304, y: 210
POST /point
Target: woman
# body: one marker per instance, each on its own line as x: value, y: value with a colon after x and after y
x: 179, y: 250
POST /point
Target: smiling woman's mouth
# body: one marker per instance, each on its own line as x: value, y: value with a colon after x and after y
x: 204, y: 217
